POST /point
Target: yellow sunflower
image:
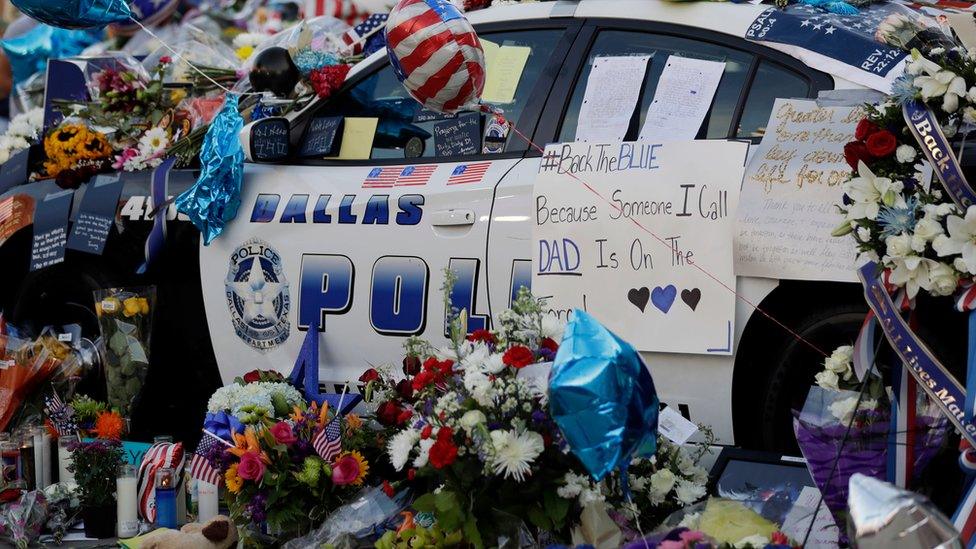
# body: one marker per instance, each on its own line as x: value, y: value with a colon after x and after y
x: 233, y: 481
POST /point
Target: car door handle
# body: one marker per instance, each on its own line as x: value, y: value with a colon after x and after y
x: 452, y: 218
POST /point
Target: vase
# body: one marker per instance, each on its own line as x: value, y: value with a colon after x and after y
x: 99, y: 521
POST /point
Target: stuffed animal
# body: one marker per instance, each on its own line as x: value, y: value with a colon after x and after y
x: 218, y: 533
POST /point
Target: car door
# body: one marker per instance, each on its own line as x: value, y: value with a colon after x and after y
x: 358, y: 247
x: 753, y: 78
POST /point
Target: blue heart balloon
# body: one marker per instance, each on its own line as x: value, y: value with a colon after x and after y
x: 75, y: 14
x: 29, y: 52
x: 602, y: 397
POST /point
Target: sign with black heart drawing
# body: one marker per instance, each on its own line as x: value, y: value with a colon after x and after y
x: 640, y: 235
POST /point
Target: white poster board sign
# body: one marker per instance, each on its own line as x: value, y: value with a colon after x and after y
x: 592, y: 204
x: 789, y: 195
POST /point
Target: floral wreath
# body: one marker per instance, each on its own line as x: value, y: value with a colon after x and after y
x: 898, y: 213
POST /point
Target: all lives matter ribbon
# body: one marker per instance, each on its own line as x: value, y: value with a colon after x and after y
x: 927, y: 131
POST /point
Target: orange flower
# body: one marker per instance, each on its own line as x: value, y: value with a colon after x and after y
x: 109, y: 425
x: 248, y: 442
x: 353, y: 422
x: 323, y: 414
x: 296, y: 413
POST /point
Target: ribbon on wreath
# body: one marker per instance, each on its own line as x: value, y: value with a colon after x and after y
x: 964, y: 518
x: 305, y: 375
x: 927, y: 131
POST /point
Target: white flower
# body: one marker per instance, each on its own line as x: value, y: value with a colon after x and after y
x: 553, y: 327
x: 843, y: 409
x: 471, y: 419
x: 961, y: 240
x: 839, y: 362
x: 153, y: 142
x: 423, y: 453
x: 690, y: 521
x: 863, y: 234
x: 479, y: 387
x: 689, y: 492
x: 400, y: 446
x: 827, y: 379
x: 905, y: 153
x: 939, y: 210
x: 942, y: 279
x: 919, y: 64
x: 926, y: 229
x: 912, y: 272
x: 898, y: 246
x: 868, y: 191
x: 945, y: 84
x: 515, y: 452
x: 662, y: 481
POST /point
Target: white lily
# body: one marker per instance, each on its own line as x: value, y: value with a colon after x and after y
x: 912, y: 272
x: 945, y: 84
x: 868, y: 192
x: 960, y: 240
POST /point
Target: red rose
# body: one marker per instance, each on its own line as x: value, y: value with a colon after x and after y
x: 388, y: 488
x: 881, y: 143
x: 442, y: 453
x: 388, y: 413
x: 369, y: 375
x: 283, y: 434
x: 404, y: 389
x: 422, y: 380
x: 253, y: 376
x: 166, y: 60
x: 864, y: 129
x: 549, y: 344
x: 482, y: 335
x: 426, y: 431
x: 411, y: 366
x: 518, y: 357
x: 854, y: 152
x: 404, y: 417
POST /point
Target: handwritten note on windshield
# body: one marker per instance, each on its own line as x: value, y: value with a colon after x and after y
x: 682, y: 99
x: 611, y: 96
x: 504, y: 66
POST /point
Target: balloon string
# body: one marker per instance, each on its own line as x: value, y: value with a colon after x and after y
x: 695, y: 264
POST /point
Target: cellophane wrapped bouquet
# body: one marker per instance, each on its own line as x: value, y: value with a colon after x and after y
x: 125, y: 321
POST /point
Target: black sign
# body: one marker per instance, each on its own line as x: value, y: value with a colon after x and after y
x: 270, y: 139
x: 320, y: 137
x: 458, y: 137
x: 50, y: 229
x: 13, y: 172
x: 95, y: 214
x: 424, y: 115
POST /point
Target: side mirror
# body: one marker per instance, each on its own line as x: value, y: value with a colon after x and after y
x: 267, y: 140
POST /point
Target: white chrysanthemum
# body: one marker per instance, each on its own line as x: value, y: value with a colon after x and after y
x: 553, y: 327
x: 662, y: 481
x: 689, y: 492
x: 423, y: 453
x: 479, y: 387
x: 515, y: 452
x: 400, y: 446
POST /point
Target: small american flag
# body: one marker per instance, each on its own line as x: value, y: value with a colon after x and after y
x: 468, y: 173
x: 355, y: 38
x: 382, y: 177
x: 328, y: 442
x: 6, y: 208
x: 200, y: 467
x: 61, y: 416
x: 415, y: 175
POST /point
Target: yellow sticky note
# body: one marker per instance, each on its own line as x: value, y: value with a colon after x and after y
x: 505, y: 65
x: 357, y: 138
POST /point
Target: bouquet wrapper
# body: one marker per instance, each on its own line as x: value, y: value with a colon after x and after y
x: 21, y: 521
x: 124, y: 318
x: 361, y: 518
x: 23, y: 366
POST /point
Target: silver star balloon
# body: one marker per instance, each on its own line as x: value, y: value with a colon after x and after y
x: 883, y: 516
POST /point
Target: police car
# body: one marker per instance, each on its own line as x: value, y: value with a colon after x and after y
x: 357, y: 248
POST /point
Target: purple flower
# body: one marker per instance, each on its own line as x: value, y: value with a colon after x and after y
x: 538, y: 416
x: 256, y: 508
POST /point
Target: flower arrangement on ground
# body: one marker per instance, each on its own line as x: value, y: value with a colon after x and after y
x: 96, y: 465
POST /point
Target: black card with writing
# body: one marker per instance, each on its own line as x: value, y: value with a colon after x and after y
x: 459, y: 137
x: 95, y: 214
x: 50, y: 229
x: 320, y: 137
x: 270, y: 139
x: 13, y: 172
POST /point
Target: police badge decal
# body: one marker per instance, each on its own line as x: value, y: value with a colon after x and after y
x: 257, y: 295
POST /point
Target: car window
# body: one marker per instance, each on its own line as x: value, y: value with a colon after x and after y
x: 618, y: 43
x: 771, y: 81
x: 405, y: 130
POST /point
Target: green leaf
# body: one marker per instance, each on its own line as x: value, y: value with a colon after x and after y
x: 539, y: 518
x: 556, y: 508
x: 472, y: 534
x: 445, y: 500
x: 425, y: 503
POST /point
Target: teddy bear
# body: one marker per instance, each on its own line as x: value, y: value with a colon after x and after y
x: 218, y: 533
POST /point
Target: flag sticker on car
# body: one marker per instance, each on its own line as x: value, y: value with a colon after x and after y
x: 382, y: 177
x: 468, y: 173
x: 412, y: 176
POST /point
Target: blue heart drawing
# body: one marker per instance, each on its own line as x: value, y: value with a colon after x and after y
x: 663, y: 298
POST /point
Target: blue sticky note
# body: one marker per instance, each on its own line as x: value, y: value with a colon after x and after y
x: 50, y: 229
x: 96, y: 214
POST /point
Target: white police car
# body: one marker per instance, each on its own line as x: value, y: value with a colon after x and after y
x: 358, y: 247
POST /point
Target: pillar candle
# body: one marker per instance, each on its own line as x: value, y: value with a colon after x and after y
x: 42, y: 458
x: 64, y: 460
x: 125, y: 491
x: 165, y: 498
x: 27, y: 463
x: 207, y: 500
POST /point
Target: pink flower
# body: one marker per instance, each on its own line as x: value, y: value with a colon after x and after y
x: 126, y: 156
x: 690, y: 536
x: 669, y: 544
x: 283, y: 433
x: 345, y: 471
x: 166, y: 60
x: 251, y: 467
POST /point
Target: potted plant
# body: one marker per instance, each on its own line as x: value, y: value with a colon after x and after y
x: 96, y: 465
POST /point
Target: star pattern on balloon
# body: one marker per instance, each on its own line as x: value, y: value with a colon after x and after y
x: 258, y: 293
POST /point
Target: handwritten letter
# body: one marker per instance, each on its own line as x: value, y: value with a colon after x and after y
x: 611, y: 96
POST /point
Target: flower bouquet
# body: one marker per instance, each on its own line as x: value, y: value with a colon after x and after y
x: 24, y: 365
x: 21, y: 521
x: 257, y: 398
x: 96, y: 465
x: 124, y: 318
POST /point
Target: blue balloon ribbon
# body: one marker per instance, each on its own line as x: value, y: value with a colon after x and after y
x: 213, y: 200
x: 75, y: 14
x: 602, y: 397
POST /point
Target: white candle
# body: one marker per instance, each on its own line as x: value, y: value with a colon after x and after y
x: 206, y: 501
x: 42, y: 458
x: 64, y: 460
x: 125, y: 492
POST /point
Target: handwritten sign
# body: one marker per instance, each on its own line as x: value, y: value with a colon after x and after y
x: 611, y: 95
x: 504, y: 67
x: 650, y: 287
x: 458, y: 137
x: 682, y: 98
x: 320, y: 137
x: 270, y: 139
x: 13, y: 172
x: 793, y: 182
x: 50, y: 230
x: 96, y: 214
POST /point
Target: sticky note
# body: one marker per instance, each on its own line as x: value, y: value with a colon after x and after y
x: 505, y: 65
x: 357, y: 138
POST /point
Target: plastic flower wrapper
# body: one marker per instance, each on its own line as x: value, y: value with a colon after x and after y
x: 319, y: 34
x: 361, y: 518
x: 21, y: 521
x: 25, y: 367
x: 718, y: 520
x: 124, y: 318
x: 63, y: 509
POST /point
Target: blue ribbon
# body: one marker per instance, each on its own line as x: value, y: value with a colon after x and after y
x: 927, y: 131
x: 931, y: 375
x: 158, y: 204
x: 305, y: 375
x: 223, y: 424
x: 971, y: 369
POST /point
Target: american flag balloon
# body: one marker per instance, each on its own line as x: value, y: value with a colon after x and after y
x: 436, y: 54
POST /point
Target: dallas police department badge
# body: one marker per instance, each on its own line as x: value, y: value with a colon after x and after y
x: 257, y: 295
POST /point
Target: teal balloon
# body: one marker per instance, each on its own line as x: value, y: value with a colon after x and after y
x: 602, y: 397
x: 28, y: 53
x: 75, y: 14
